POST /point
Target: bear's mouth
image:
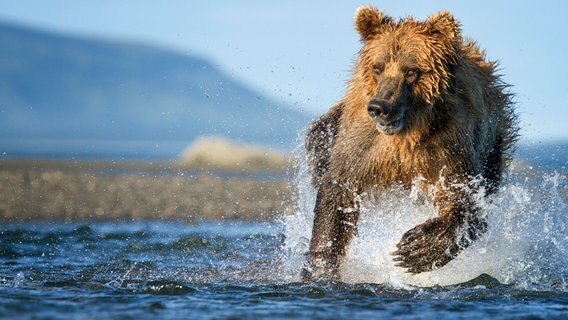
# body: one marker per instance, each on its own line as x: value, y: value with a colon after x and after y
x: 391, y: 127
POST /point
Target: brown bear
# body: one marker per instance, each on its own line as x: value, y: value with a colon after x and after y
x: 422, y: 103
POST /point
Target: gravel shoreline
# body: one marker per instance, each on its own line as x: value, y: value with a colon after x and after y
x: 110, y: 191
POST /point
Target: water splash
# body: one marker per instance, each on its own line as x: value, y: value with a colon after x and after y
x: 526, y: 244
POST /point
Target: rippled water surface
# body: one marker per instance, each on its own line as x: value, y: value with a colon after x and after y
x: 170, y: 270
x: 149, y: 270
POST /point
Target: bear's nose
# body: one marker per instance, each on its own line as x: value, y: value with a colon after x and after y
x: 378, y: 107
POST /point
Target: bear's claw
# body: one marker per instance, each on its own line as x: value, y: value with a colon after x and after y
x: 427, y: 246
x: 436, y: 242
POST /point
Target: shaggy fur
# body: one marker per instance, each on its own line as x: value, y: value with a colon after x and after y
x: 422, y: 102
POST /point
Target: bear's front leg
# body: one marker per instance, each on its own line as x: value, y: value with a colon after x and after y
x: 437, y: 241
x: 335, y: 218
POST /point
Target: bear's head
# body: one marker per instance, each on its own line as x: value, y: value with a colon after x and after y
x: 404, y: 67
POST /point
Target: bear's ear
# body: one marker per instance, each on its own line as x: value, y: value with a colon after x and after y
x: 369, y: 21
x: 443, y: 23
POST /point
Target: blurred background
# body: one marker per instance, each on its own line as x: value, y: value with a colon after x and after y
x: 175, y: 87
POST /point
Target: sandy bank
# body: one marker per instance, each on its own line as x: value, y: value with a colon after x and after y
x: 82, y: 191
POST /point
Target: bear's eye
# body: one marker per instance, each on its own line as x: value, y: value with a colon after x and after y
x: 411, y: 75
x: 377, y: 69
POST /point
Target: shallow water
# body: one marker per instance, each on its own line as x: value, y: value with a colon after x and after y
x: 526, y: 243
x: 152, y: 269
x: 145, y: 270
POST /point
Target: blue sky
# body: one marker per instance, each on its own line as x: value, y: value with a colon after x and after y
x: 302, y: 51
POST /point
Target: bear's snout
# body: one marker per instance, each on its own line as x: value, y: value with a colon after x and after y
x: 378, y: 108
x: 387, y: 117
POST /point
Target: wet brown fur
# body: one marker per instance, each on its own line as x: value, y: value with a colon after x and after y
x: 459, y: 124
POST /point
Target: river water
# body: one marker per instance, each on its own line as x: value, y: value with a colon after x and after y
x: 236, y: 270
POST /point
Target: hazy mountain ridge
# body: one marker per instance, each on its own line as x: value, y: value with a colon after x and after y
x: 62, y: 88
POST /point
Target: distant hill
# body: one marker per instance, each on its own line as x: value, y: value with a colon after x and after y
x: 63, y: 95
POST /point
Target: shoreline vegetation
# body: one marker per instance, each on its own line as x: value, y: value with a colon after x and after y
x: 220, y: 153
x: 214, y: 179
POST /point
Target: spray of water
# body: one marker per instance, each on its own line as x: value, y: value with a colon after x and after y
x: 526, y: 244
